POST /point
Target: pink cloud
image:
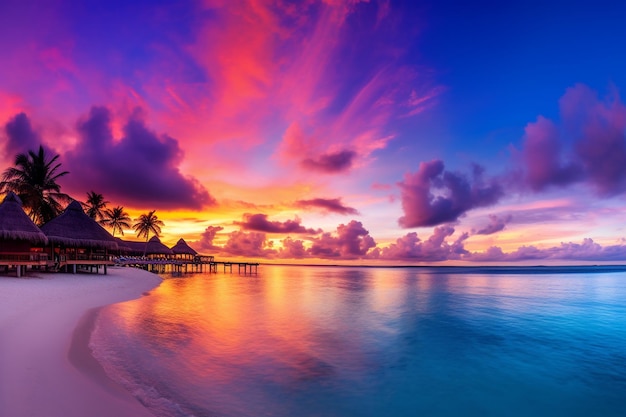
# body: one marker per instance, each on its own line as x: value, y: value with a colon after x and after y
x: 588, y: 250
x: 292, y: 249
x: 433, y: 196
x: 259, y: 222
x: 496, y: 224
x: 206, y: 239
x: 252, y: 244
x: 351, y: 241
x: 435, y: 248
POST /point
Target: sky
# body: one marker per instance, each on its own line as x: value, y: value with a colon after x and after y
x: 334, y: 131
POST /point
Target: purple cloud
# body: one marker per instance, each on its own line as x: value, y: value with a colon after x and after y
x: 331, y: 163
x: 251, y: 244
x: 596, y: 131
x: 495, y: 225
x: 588, y: 250
x: 436, y: 248
x: 352, y: 241
x: 433, y: 196
x: 21, y: 137
x: 542, y: 156
x: 207, y: 237
x: 602, y: 130
x: 258, y: 222
x: 292, y: 249
x: 333, y: 205
x: 141, y: 168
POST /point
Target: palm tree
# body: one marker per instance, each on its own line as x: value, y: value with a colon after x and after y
x: 95, y: 205
x: 117, y: 219
x: 147, y: 223
x: 34, y: 179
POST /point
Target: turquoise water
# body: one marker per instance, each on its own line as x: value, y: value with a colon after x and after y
x: 332, y: 341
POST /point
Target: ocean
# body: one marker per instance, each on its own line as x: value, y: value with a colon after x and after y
x: 371, y: 342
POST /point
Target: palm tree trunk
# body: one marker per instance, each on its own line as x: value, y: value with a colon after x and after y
x: 146, y: 248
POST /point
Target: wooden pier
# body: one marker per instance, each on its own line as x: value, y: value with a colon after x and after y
x: 177, y: 266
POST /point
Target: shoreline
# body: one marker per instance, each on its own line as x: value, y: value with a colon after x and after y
x: 81, y: 356
x: 46, y: 321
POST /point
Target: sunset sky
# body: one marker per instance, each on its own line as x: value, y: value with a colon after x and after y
x: 329, y: 130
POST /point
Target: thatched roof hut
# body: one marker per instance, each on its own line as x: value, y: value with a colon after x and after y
x: 74, y: 228
x: 132, y: 247
x: 182, y: 248
x: 16, y: 225
x: 155, y: 247
x: 122, y: 246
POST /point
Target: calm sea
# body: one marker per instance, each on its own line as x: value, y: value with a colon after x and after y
x: 332, y: 341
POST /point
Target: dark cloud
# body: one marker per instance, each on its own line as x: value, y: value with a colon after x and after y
x: 433, y: 196
x: 352, y: 241
x: 435, y: 248
x: 21, y: 137
x: 260, y: 223
x: 495, y: 225
x: 140, y: 169
x: 589, y: 145
x: 331, y: 162
x: 333, y: 205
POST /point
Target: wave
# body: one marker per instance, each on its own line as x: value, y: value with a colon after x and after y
x: 104, y: 343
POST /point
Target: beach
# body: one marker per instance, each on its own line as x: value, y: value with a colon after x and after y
x: 47, y: 369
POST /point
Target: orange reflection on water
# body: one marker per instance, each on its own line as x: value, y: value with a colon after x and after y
x: 226, y: 323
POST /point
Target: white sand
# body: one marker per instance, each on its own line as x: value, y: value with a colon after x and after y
x: 46, y: 369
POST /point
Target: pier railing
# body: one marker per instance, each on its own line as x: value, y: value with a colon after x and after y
x: 198, y: 264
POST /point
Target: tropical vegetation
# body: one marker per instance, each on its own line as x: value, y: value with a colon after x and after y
x: 95, y: 206
x: 117, y: 219
x: 146, y: 224
x: 34, y: 178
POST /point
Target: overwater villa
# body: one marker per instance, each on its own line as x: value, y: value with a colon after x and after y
x: 154, y: 249
x: 22, y: 243
x: 182, y: 251
x: 77, y: 240
x: 74, y: 241
x: 131, y: 247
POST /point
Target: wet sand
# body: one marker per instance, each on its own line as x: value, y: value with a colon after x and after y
x: 46, y: 365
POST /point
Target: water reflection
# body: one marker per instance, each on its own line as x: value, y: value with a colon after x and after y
x: 375, y: 341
